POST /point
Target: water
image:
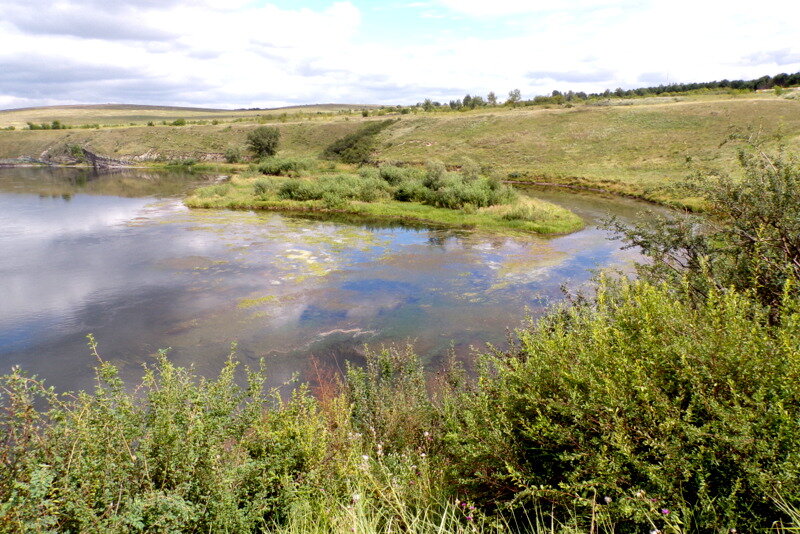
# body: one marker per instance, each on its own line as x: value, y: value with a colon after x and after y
x: 120, y: 257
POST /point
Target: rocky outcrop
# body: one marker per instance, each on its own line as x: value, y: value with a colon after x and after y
x: 103, y: 162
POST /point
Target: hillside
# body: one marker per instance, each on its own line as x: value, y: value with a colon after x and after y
x: 140, y: 115
x: 638, y: 147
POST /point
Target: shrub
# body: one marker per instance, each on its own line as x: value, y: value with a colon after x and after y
x: 640, y: 395
x: 76, y: 151
x: 470, y: 170
x: 751, y: 241
x: 395, y: 175
x: 434, y: 174
x: 264, y: 140
x: 358, y: 146
x: 178, y: 122
x: 299, y: 189
x: 178, y: 454
x: 283, y: 166
x: 233, y: 155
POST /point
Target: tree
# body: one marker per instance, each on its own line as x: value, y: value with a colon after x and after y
x: 491, y: 98
x: 749, y: 240
x: 514, y: 97
x: 263, y: 141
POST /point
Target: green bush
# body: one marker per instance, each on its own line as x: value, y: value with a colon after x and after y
x: 646, y: 399
x: 264, y: 141
x: 358, y: 146
x: 343, y: 186
x: 180, y: 455
x: 233, y: 155
x: 435, y: 172
x: 749, y: 240
x: 283, y: 166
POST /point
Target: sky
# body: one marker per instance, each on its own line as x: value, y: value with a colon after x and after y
x: 259, y: 53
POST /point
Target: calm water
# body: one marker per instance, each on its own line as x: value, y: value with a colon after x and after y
x: 120, y: 257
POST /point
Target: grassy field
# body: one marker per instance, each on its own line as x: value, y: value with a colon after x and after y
x: 125, y: 114
x: 640, y: 147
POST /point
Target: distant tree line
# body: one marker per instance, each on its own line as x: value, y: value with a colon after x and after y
x: 557, y: 97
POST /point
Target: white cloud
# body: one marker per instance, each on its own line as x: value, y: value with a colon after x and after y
x: 239, y: 53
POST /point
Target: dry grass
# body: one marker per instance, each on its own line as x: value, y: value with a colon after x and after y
x: 640, y: 147
x: 123, y: 115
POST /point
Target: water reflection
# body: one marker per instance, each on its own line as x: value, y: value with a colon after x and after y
x: 143, y: 273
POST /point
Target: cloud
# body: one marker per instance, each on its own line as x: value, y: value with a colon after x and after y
x: 243, y: 53
x: 482, y: 8
x: 87, y: 20
x: 781, y: 57
x: 576, y: 76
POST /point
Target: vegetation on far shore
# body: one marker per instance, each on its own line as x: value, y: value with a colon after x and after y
x: 670, y: 404
x: 638, y: 142
x: 431, y: 195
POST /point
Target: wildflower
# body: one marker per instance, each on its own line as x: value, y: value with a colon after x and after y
x: 733, y: 531
x: 423, y: 455
x: 665, y: 511
x: 469, y: 518
x: 607, y: 499
x: 639, y: 494
x: 426, y: 434
x: 655, y: 531
x: 356, y: 497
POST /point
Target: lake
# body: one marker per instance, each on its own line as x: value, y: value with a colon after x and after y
x: 120, y: 257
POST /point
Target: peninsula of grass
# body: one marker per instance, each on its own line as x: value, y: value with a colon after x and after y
x: 431, y: 196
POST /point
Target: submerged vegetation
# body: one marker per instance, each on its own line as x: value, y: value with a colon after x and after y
x: 667, y: 404
x: 432, y: 195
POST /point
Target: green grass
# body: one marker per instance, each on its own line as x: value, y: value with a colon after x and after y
x: 640, y: 147
x: 371, y: 197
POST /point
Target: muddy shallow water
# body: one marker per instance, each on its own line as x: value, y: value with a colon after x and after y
x: 120, y: 257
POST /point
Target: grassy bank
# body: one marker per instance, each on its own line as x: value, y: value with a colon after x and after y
x: 640, y: 147
x: 431, y: 196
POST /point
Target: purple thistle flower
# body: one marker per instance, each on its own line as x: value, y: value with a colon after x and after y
x: 665, y: 511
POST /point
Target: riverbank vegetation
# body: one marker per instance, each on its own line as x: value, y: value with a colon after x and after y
x: 642, y: 145
x: 465, y: 199
x: 667, y: 404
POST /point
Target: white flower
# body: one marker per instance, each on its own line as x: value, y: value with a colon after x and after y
x: 356, y: 497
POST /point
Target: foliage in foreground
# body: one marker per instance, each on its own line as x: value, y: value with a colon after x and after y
x: 639, y: 411
x: 749, y: 238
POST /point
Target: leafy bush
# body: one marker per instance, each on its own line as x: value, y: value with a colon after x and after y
x: 435, y: 172
x: 358, y: 146
x: 283, y: 166
x: 644, y: 398
x: 182, y: 456
x: 343, y: 186
x: 233, y: 155
x: 750, y: 240
x: 264, y: 140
